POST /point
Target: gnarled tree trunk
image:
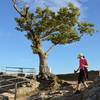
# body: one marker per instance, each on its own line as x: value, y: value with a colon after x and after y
x: 46, y: 78
x: 44, y: 71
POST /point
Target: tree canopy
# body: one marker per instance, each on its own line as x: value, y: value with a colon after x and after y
x: 62, y: 27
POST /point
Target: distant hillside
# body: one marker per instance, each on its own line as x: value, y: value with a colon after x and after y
x: 73, y: 77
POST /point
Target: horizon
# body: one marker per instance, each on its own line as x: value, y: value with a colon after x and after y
x: 26, y: 70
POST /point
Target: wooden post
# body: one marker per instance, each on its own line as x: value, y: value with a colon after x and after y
x: 15, y: 91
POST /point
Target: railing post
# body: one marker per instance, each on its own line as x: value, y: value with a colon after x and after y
x: 15, y: 91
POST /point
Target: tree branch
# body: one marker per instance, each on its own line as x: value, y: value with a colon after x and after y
x: 50, y: 48
x: 47, y: 35
x: 17, y: 9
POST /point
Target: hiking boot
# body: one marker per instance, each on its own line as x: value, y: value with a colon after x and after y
x: 77, y: 92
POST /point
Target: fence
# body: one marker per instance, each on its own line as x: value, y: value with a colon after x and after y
x: 11, y: 80
x: 20, y: 70
x: 15, y: 87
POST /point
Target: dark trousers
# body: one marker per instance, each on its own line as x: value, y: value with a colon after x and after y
x: 83, y: 75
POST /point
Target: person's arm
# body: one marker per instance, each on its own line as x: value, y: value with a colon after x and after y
x: 86, y: 64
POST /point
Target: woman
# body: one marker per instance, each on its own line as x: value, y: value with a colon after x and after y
x: 83, y: 74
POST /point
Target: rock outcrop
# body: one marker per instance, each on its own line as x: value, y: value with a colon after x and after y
x: 91, y: 93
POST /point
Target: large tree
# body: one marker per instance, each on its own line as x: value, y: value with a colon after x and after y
x: 62, y: 27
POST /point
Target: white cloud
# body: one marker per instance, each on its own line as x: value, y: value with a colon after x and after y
x: 56, y: 4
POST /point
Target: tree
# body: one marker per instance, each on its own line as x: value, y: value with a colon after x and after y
x: 62, y: 27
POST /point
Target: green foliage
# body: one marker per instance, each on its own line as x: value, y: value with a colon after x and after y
x: 67, y: 37
x: 85, y: 27
x: 62, y: 27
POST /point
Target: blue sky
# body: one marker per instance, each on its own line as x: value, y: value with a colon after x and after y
x: 15, y: 49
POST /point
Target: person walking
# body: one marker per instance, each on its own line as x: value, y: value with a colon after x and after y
x: 83, y: 72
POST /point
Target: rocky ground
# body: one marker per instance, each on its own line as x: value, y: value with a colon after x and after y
x: 91, y: 93
x: 64, y: 92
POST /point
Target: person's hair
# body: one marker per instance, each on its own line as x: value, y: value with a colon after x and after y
x: 83, y: 56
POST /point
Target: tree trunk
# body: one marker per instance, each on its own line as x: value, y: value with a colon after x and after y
x: 44, y: 71
x: 46, y: 78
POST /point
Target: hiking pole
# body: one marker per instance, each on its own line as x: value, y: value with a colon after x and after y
x: 75, y: 72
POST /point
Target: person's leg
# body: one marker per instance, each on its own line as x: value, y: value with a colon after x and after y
x: 85, y: 77
x: 78, y: 87
x: 80, y: 80
x: 86, y: 74
x: 78, y: 84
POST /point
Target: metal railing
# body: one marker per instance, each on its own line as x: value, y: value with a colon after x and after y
x: 11, y: 80
x: 13, y: 84
x: 20, y: 70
